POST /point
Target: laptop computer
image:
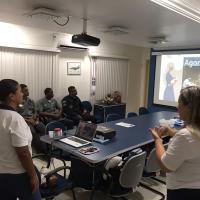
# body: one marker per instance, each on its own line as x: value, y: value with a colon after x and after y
x: 84, y: 135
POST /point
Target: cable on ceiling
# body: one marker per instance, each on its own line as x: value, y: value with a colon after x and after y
x: 62, y: 24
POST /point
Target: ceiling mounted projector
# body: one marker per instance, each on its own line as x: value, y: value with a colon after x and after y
x: 84, y: 39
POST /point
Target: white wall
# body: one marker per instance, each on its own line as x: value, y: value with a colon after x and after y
x: 26, y: 37
x: 138, y: 56
x: 82, y: 81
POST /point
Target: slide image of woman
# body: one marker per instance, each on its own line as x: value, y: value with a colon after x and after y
x: 170, y: 81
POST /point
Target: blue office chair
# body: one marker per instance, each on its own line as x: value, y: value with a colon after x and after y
x: 143, y: 111
x: 55, y: 151
x: 112, y: 117
x: 132, y: 114
x: 87, y: 106
x: 49, y: 190
x: 55, y: 124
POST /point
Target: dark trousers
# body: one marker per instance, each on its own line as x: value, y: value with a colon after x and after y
x: 13, y: 186
x: 183, y: 194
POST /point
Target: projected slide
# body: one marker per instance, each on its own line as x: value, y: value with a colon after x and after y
x: 174, y: 72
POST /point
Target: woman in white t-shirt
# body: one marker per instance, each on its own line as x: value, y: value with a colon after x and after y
x: 181, y: 161
x: 18, y: 178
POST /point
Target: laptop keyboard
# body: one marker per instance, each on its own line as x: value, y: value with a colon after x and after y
x: 74, y: 139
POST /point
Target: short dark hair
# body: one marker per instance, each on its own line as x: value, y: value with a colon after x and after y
x: 7, y: 86
x: 23, y: 86
x: 47, y: 90
x: 70, y: 88
x: 190, y: 97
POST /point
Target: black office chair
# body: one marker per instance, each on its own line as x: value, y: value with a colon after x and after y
x: 131, y: 114
x: 112, y: 117
x: 50, y: 189
x: 143, y: 111
x: 125, y: 177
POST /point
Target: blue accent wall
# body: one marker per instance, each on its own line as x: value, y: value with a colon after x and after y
x: 151, y: 106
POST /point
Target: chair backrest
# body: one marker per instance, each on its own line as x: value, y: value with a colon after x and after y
x: 131, y: 114
x: 152, y: 164
x: 87, y: 105
x: 131, y: 172
x: 143, y: 111
x: 112, y: 117
x: 55, y: 124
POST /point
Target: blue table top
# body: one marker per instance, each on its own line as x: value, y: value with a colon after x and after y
x: 126, y: 138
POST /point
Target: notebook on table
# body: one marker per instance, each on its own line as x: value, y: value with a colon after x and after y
x: 84, y: 135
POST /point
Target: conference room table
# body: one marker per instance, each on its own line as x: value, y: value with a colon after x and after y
x: 126, y: 139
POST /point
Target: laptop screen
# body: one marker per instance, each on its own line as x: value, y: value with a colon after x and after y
x: 86, y: 130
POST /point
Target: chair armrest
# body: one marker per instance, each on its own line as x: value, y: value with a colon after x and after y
x: 49, y: 174
x: 109, y: 178
x: 49, y: 157
x: 40, y: 155
x: 104, y: 171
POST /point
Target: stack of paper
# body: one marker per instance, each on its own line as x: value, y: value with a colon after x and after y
x: 125, y: 124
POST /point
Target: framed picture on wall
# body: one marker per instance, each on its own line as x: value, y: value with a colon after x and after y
x: 73, y: 68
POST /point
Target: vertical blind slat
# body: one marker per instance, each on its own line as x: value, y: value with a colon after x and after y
x: 111, y: 75
x: 33, y: 68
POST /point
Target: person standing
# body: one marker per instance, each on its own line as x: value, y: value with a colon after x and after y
x: 181, y: 160
x: 18, y: 178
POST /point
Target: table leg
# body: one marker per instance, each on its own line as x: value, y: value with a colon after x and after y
x: 93, y: 184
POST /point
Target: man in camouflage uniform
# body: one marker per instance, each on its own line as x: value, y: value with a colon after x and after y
x: 28, y: 110
x: 49, y: 110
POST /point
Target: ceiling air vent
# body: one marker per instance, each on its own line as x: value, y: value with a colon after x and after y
x: 44, y: 13
x: 157, y: 40
x: 116, y: 30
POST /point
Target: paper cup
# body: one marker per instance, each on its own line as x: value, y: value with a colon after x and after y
x: 51, y: 134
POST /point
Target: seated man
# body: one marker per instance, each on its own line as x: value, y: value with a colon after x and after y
x: 49, y: 109
x: 28, y: 111
x: 72, y: 107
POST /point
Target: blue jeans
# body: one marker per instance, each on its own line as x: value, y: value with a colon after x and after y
x: 13, y: 186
